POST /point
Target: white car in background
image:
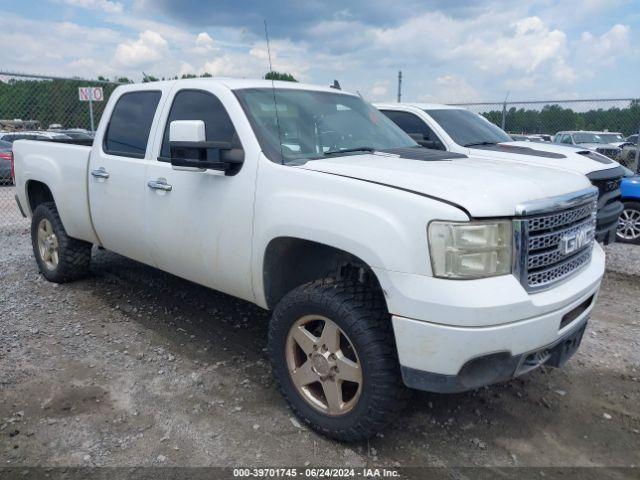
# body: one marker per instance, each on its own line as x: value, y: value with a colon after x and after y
x: 605, y: 143
x: 456, y: 129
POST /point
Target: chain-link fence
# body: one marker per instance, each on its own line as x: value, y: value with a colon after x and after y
x: 612, y: 121
x: 36, y: 106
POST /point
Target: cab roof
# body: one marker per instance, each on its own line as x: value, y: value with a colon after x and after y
x: 233, y: 84
x: 421, y: 106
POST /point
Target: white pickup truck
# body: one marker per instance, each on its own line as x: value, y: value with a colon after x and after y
x: 456, y: 129
x: 385, y: 264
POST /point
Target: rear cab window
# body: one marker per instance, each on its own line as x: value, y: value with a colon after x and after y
x: 128, y: 130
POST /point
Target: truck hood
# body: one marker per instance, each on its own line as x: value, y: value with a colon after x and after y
x: 487, y: 188
x: 533, y: 153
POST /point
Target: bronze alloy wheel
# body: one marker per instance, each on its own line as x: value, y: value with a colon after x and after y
x: 48, y: 246
x: 323, y: 365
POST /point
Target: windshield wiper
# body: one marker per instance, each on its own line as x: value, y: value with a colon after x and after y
x: 477, y: 144
x: 348, y: 150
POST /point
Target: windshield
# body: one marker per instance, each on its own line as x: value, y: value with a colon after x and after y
x: 467, y: 128
x: 611, y: 137
x: 312, y: 125
x: 587, y: 137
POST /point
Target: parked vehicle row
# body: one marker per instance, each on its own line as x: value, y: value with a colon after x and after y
x: 456, y: 129
x: 386, y: 264
x: 32, y: 135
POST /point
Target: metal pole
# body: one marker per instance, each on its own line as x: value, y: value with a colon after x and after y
x: 399, y: 86
x: 91, y: 107
x: 638, y: 152
x: 504, y: 115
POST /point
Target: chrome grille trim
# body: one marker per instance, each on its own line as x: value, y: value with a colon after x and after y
x: 546, y: 240
x: 559, y: 219
x: 539, y: 231
x: 557, y: 272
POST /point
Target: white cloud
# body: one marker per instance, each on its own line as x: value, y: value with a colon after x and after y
x: 204, y: 44
x: 148, y: 49
x: 604, y: 49
x: 228, y: 66
x: 204, y: 40
x: 380, y: 90
x: 106, y: 6
x: 451, y: 88
x: 186, y: 69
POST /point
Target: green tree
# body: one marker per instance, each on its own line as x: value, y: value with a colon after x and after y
x: 286, y: 77
x: 148, y: 78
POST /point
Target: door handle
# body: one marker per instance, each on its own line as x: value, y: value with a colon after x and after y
x: 159, y: 184
x: 100, y: 173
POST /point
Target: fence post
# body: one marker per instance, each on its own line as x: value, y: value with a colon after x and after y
x: 504, y: 115
x: 91, y: 108
x: 638, y: 151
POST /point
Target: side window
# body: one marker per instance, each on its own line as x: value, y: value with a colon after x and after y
x: 566, y: 139
x: 410, y: 123
x: 127, y: 134
x: 200, y: 105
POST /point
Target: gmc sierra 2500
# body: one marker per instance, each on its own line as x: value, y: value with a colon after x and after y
x: 386, y: 264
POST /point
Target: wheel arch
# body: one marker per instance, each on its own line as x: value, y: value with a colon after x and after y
x: 37, y: 193
x: 293, y: 261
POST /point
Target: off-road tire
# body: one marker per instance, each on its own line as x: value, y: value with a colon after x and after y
x: 74, y: 255
x: 360, y: 312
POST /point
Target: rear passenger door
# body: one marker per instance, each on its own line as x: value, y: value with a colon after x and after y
x: 118, y: 172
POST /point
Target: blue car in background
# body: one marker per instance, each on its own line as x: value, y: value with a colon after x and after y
x: 629, y: 222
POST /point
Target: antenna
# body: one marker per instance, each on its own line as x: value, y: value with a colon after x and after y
x: 273, y: 89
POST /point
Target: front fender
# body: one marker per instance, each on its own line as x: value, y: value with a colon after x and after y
x: 383, y: 226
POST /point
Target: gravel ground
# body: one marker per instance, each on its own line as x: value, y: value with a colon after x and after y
x: 133, y: 366
x: 9, y: 213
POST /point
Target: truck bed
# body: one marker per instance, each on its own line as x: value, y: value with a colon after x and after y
x: 62, y: 166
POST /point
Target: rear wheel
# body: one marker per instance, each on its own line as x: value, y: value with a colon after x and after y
x: 629, y: 224
x: 60, y: 258
x: 333, y: 355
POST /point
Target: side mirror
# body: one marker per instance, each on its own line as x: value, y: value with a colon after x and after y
x: 189, y: 149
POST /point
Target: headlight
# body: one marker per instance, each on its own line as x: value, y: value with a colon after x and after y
x: 470, y: 249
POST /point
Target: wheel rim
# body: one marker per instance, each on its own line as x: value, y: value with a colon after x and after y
x: 323, y: 365
x: 629, y: 224
x: 48, y: 244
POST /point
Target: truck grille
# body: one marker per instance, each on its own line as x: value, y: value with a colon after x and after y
x: 551, y: 246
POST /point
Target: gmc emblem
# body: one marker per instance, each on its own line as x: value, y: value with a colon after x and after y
x: 574, y: 241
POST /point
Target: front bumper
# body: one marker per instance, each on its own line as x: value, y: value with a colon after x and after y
x: 497, y: 367
x: 442, y: 326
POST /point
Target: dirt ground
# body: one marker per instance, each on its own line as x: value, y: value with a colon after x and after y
x: 133, y: 366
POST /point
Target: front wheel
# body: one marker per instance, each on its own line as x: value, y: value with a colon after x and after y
x: 334, y: 358
x: 629, y: 224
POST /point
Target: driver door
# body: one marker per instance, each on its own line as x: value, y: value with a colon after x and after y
x: 199, y: 223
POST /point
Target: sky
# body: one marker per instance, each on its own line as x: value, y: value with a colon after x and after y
x: 449, y: 51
